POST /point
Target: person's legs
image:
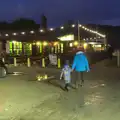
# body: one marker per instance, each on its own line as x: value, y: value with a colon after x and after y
x: 66, y: 86
x: 82, y: 79
x: 77, y: 82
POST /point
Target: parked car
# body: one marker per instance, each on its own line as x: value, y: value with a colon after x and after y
x: 3, y: 69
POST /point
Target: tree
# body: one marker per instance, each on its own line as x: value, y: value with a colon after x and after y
x: 24, y: 23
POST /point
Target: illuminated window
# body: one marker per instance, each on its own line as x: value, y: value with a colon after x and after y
x: 66, y: 38
x: 28, y: 48
x: 61, y: 47
x: 15, y: 47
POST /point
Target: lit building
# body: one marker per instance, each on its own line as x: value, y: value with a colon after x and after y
x: 36, y: 42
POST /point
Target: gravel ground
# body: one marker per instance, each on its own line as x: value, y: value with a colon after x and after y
x: 23, y: 98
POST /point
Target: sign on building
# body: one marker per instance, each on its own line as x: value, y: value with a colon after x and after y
x: 53, y: 59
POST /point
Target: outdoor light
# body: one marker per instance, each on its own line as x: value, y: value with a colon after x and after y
x: 45, y: 43
x: 80, y: 25
x: 6, y: 35
x: 41, y: 30
x: 83, y: 27
x: 73, y: 25
x: 31, y: 32
x: 75, y: 43
x: 51, y: 29
x: 14, y: 33
x: 85, y: 45
x: 13, y: 42
x: 38, y: 43
x: 56, y: 43
x: 22, y: 33
x: 71, y: 44
x: 62, y: 27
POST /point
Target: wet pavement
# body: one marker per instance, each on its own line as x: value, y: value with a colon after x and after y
x: 23, y: 98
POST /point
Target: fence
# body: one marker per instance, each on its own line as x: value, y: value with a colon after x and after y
x: 53, y: 60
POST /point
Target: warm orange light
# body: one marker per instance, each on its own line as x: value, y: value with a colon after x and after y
x: 56, y: 43
x: 75, y: 43
x: 45, y: 43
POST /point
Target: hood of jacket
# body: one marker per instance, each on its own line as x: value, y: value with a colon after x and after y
x: 79, y: 52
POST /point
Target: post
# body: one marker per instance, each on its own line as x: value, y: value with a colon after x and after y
x: 78, y: 32
x: 59, y: 63
x: 3, y: 60
x: 43, y: 62
x: 118, y: 58
x: 28, y: 62
x: 15, y: 62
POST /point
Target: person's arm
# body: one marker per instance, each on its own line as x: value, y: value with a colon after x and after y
x: 74, y: 64
x: 87, y: 64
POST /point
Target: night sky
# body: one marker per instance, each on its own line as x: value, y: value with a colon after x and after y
x: 59, y: 11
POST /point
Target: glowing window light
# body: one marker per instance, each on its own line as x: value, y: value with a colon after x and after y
x: 66, y: 38
x: 14, y: 33
x: 31, y: 32
x: 73, y: 25
x: 22, y: 33
x: 62, y: 27
x: 45, y: 43
x: 6, y: 35
x: 41, y: 30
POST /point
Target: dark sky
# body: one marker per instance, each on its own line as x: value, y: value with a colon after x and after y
x: 59, y: 11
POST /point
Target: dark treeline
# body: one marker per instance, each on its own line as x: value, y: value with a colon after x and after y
x: 19, y: 24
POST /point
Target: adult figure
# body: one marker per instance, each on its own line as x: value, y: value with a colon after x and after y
x: 110, y: 52
x: 80, y: 65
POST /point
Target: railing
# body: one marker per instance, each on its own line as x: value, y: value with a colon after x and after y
x: 43, y: 61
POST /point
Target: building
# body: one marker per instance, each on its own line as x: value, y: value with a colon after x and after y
x: 36, y: 42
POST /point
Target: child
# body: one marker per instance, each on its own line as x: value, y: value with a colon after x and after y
x: 66, y: 74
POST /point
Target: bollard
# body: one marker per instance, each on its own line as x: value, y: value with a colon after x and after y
x: 58, y: 63
x: 43, y: 62
x: 15, y: 62
x: 118, y: 58
x: 28, y: 62
x: 3, y: 60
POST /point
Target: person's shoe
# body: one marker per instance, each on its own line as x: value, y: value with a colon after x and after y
x: 66, y: 89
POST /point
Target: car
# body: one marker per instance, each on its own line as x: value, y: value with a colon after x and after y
x: 3, y: 69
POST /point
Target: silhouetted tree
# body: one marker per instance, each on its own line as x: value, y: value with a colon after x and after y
x: 24, y: 23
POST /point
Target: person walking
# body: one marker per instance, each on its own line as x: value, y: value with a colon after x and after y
x: 66, y: 74
x: 80, y: 65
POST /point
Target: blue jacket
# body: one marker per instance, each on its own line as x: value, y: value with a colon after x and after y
x: 80, y: 62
